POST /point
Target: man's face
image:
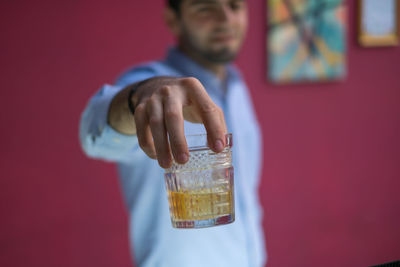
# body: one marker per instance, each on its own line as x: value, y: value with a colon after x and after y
x: 212, y: 30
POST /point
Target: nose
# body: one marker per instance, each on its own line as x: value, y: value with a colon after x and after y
x: 224, y: 13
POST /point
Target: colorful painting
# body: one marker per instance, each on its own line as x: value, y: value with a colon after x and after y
x: 306, y: 40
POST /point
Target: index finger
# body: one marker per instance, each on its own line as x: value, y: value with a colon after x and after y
x: 211, y: 115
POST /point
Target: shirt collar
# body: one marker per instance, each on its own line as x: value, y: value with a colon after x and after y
x: 187, y: 67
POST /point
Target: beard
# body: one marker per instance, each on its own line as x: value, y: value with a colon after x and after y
x: 192, y: 45
x: 221, y: 56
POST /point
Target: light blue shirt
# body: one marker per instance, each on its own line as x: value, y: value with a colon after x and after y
x: 154, y: 242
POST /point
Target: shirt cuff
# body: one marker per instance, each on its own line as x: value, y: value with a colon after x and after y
x: 100, y: 140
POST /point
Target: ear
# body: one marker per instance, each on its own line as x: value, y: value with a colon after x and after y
x: 172, y: 21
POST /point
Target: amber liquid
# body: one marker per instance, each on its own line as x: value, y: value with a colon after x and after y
x: 200, y: 204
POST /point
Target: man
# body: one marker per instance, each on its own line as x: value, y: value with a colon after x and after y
x: 146, y: 116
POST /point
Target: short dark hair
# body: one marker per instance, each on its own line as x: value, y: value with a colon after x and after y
x: 175, y: 5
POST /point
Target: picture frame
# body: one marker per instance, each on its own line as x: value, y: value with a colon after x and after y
x: 306, y: 41
x: 378, y: 22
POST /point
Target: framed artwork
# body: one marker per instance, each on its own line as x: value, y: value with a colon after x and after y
x: 306, y: 40
x: 378, y: 22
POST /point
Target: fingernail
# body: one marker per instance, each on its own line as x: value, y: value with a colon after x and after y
x: 183, y: 157
x: 219, y: 145
x: 165, y: 163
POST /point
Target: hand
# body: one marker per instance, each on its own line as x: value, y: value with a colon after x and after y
x: 162, y: 105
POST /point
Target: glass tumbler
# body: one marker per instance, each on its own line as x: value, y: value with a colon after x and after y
x: 200, y: 192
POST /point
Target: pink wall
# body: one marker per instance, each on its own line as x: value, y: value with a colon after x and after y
x: 331, y: 176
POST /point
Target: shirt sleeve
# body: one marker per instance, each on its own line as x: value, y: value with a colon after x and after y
x: 98, y: 139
